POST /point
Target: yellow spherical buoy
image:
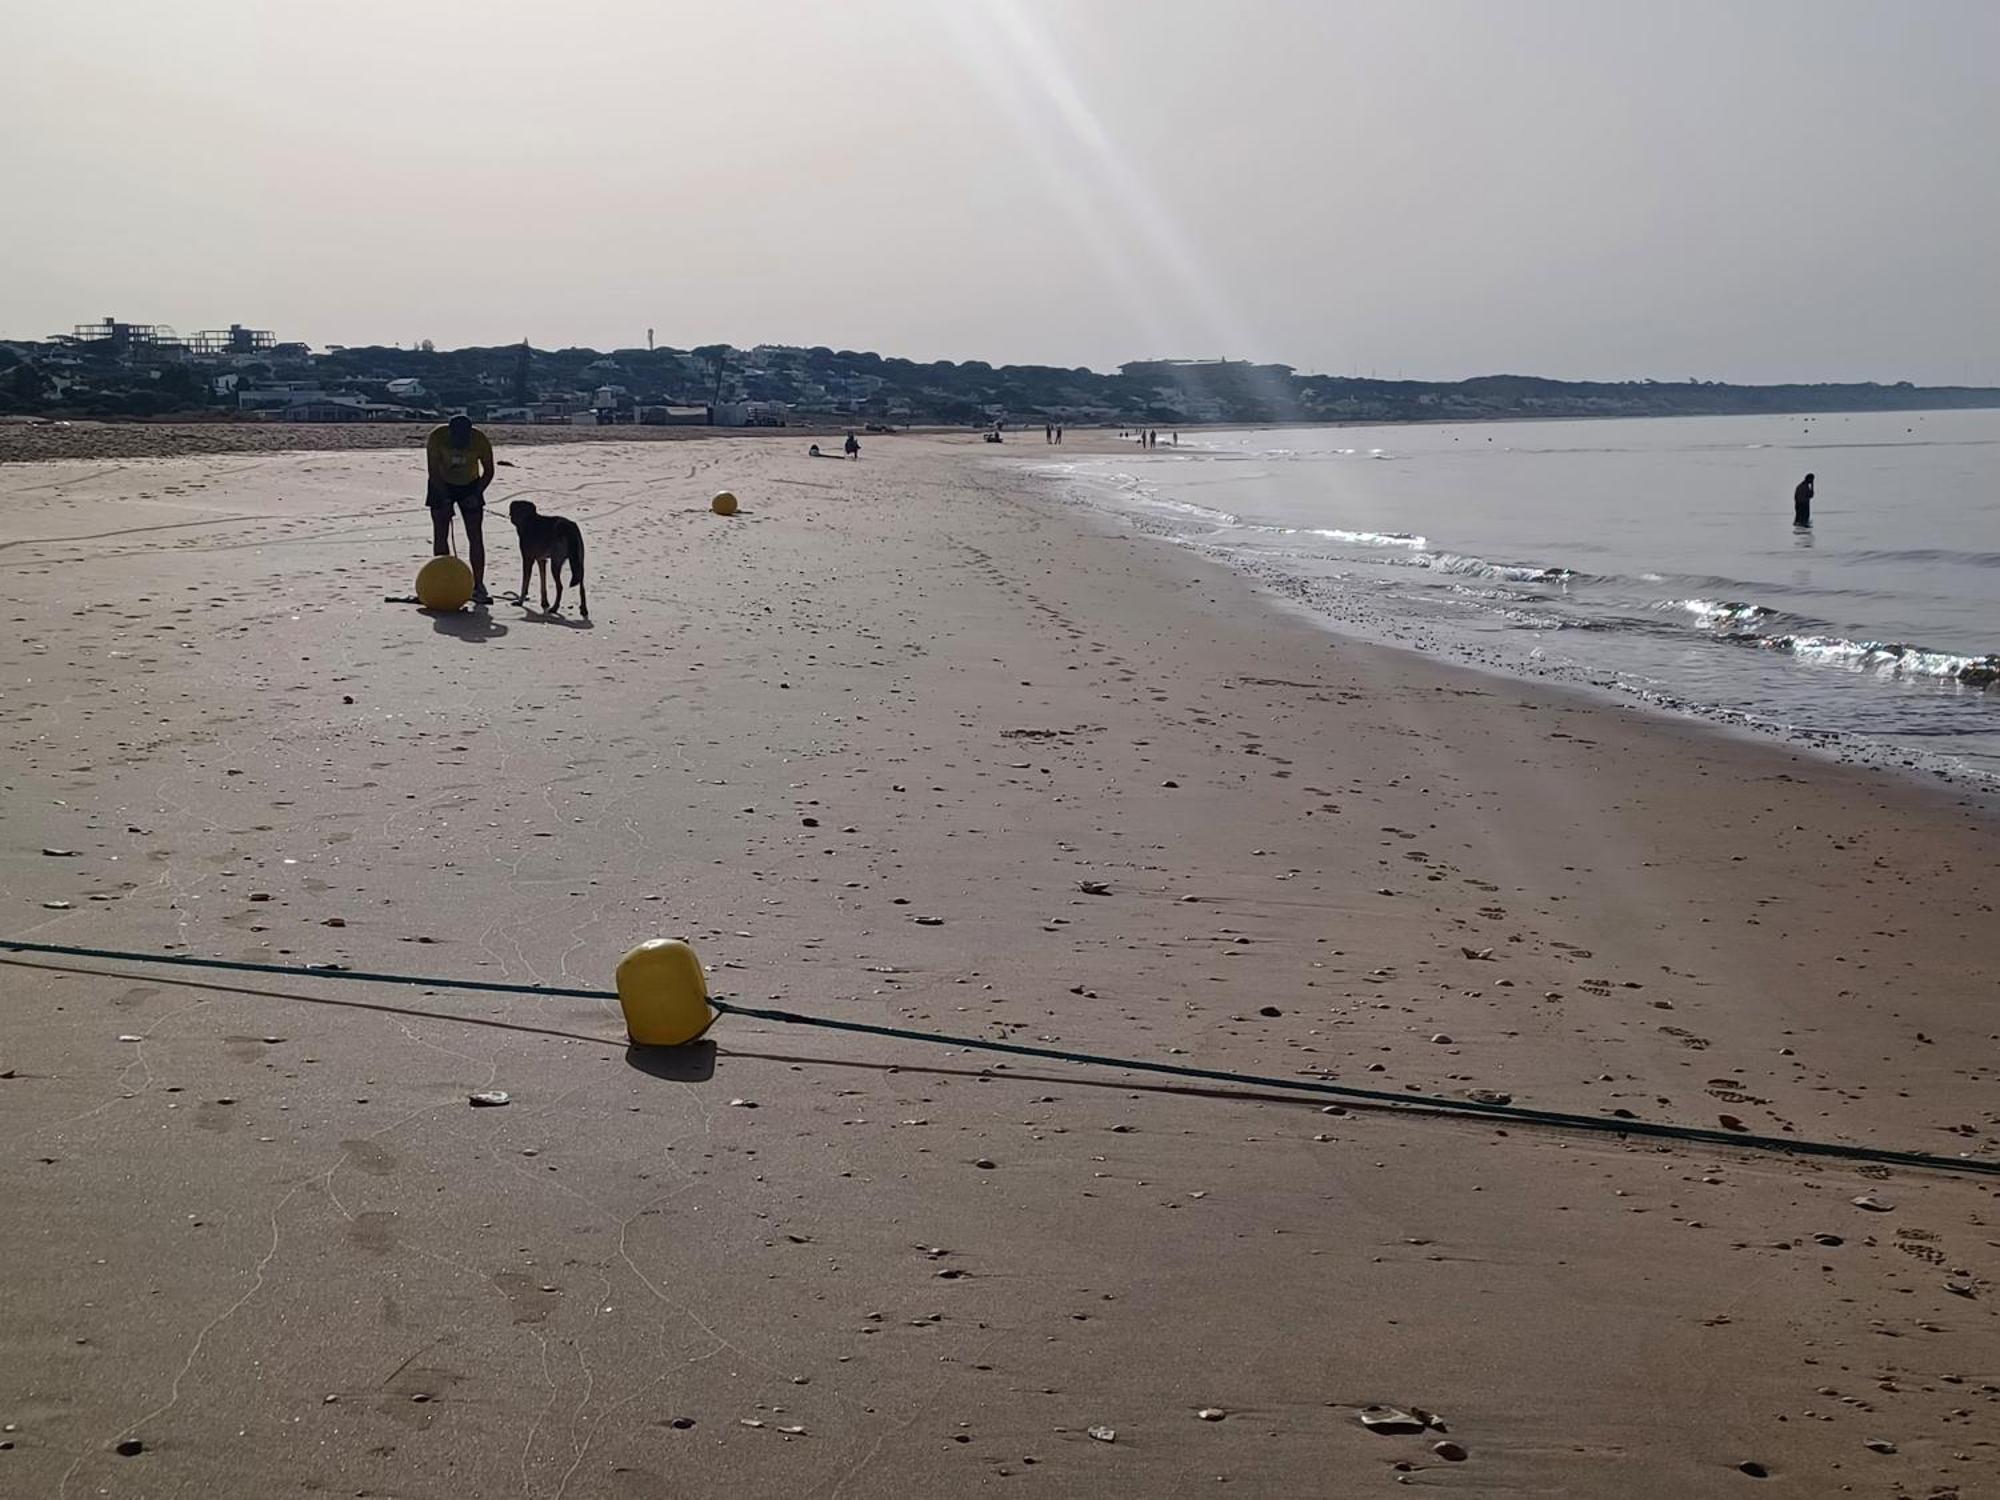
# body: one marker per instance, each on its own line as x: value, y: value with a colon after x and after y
x: 724, y: 504
x: 664, y: 994
x: 444, y: 584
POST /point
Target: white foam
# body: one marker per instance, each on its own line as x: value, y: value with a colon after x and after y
x: 1712, y: 614
x: 1479, y: 567
x: 1889, y: 660
x: 1371, y: 538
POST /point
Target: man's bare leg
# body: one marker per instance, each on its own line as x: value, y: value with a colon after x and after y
x: 475, y: 553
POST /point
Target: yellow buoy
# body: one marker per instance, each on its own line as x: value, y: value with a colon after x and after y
x: 444, y: 584
x: 724, y: 504
x: 664, y: 994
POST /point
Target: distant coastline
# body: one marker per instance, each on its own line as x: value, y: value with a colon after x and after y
x: 113, y: 370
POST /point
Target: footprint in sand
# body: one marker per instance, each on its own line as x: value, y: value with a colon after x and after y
x: 1914, y: 1242
x: 1735, y: 1096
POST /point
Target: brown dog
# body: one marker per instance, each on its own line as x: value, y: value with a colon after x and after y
x: 547, y: 540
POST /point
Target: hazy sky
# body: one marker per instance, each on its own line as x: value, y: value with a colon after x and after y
x: 1755, y: 190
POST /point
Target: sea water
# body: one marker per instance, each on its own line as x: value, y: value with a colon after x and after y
x: 1656, y: 558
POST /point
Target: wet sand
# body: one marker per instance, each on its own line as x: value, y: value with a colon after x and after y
x: 258, y: 1230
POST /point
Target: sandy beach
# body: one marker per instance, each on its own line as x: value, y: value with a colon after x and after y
x: 37, y: 441
x: 863, y: 745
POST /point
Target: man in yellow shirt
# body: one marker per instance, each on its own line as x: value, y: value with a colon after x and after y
x: 461, y: 466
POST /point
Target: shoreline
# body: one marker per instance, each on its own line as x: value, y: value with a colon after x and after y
x: 51, y: 440
x: 1331, y: 606
x: 921, y: 687
x: 1833, y: 747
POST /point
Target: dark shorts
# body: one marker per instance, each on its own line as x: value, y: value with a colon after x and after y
x: 469, y: 498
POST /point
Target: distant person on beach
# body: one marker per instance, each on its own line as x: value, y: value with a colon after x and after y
x: 1048, y: 432
x: 460, y: 459
x: 1058, y: 434
x: 852, y: 446
x: 1802, y: 502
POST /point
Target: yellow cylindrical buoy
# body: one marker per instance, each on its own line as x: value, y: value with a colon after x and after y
x: 444, y: 584
x: 724, y: 504
x: 664, y: 994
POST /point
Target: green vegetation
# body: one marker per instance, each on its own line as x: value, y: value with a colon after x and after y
x: 790, y: 383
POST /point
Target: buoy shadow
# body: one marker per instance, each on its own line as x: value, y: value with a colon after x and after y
x: 467, y: 625
x: 692, y: 1063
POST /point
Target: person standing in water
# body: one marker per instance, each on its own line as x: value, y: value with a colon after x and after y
x: 1802, y: 502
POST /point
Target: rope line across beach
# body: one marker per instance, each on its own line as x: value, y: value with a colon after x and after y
x: 1556, y: 1119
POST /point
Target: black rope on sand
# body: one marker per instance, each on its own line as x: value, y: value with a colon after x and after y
x: 1557, y: 1119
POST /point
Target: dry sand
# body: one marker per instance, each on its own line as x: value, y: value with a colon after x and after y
x: 40, y: 441
x: 256, y: 1228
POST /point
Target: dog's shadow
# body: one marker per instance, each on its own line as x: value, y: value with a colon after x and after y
x: 535, y: 616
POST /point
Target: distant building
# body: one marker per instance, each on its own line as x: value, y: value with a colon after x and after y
x: 677, y: 416
x: 235, y: 339
x: 142, y: 342
x: 155, y: 343
x: 323, y: 408
x: 278, y: 397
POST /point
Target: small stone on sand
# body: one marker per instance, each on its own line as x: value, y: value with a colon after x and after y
x: 1391, y: 1419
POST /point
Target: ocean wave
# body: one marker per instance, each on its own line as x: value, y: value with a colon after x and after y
x: 1134, y: 491
x: 1720, y: 614
x: 1930, y: 555
x: 1887, y: 659
x: 1354, y: 538
x: 1479, y: 567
